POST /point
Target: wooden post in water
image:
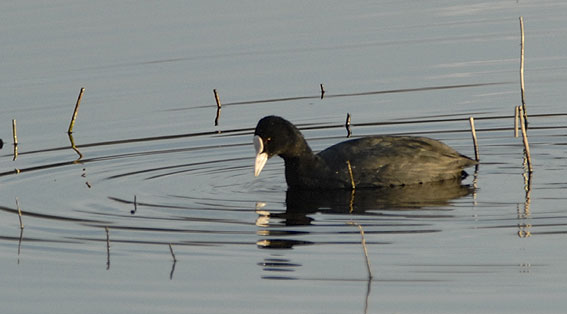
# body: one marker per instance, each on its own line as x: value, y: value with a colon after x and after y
x: 473, y: 131
x: 322, y: 91
x: 76, y: 111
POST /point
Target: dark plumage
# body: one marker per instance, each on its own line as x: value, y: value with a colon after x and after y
x: 376, y: 161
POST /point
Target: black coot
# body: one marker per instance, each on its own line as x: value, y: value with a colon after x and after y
x: 376, y: 161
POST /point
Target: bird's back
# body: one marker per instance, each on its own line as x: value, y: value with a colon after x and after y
x: 394, y: 160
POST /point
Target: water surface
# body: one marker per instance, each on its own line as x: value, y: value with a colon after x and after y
x: 150, y: 168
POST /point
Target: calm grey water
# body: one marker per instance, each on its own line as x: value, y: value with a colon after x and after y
x: 154, y: 170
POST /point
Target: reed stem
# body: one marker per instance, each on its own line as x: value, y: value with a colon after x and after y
x: 107, y: 230
x: 525, y: 138
x: 19, y: 213
x: 351, y: 176
x: 364, y: 248
x: 475, y: 142
x: 15, y: 137
x: 76, y: 111
x: 14, y: 132
x: 522, y: 89
x: 172, y: 254
x: 516, y: 118
x: 219, y: 105
x: 347, y: 125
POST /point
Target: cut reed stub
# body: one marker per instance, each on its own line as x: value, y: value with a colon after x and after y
x: 217, y: 98
x: 353, y: 185
x: 475, y: 142
x: 364, y: 249
x: 516, y: 117
x: 133, y: 211
x: 15, y: 138
x: 217, y: 117
x: 76, y: 111
x: 525, y: 139
x: 522, y: 83
x: 172, y: 254
x: 14, y: 132
x: 347, y: 125
x: 19, y: 213
x: 219, y: 105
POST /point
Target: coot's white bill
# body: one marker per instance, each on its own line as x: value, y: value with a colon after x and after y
x: 261, y: 156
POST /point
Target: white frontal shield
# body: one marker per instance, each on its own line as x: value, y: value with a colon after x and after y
x: 261, y: 156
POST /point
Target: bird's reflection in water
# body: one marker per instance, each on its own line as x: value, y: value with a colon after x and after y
x: 378, y: 205
x: 300, y: 204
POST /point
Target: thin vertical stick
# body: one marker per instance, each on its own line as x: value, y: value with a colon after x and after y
x: 217, y: 98
x: 516, y: 113
x: 219, y: 105
x: 351, y: 176
x: 322, y: 91
x: 14, y: 132
x: 135, y: 206
x: 19, y: 213
x: 107, y: 248
x: 20, y: 243
x: 347, y: 125
x: 172, y: 254
x: 15, y: 136
x: 363, y: 242
x: 76, y: 111
x: 72, y: 141
x: 473, y: 131
x: 525, y: 138
x: 217, y: 117
x: 522, y: 90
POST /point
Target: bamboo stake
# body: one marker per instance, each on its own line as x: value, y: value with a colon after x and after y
x: 522, y: 90
x: 525, y: 138
x: 76, y: 111
x: 473, y: 131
